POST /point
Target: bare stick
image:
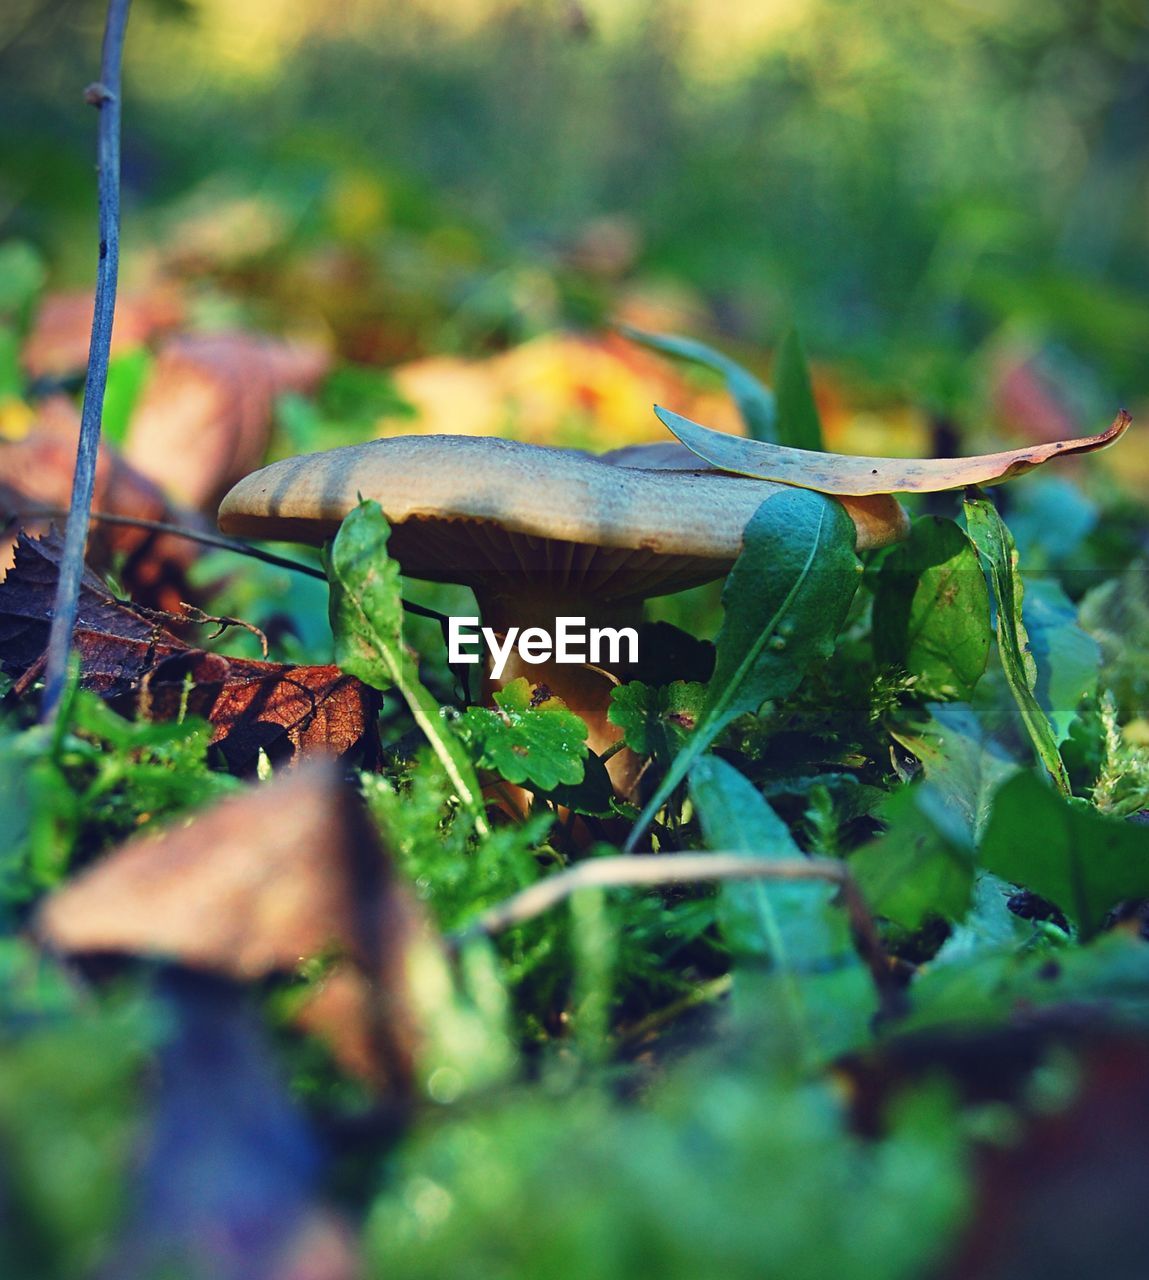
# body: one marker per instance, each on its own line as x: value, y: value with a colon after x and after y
x: 215, y: 540
x: 676, y: 868
x: 105, y: 97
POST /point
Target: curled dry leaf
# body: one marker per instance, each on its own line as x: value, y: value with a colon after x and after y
x: 283, y: 873
x: 36, y: 476
x: 205, y: 415
x: 130, y: 657
x: 858, y: 476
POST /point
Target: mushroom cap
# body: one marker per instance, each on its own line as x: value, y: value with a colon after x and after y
x: 489, y: 512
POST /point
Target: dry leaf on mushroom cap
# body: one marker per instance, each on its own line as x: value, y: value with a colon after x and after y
x: 846, y: 474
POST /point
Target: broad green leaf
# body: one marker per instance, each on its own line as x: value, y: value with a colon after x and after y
x: 755, y: 402
x: 799, y: 423
x: 784, y: 601
x: 541, y: 743
x: 986, y: 986
x: 367, y: 620
x: 1067, y: 657
x: 993, y: 541
x: 989, y: 926
x: 920, y: 866
x: 792, y: 924
x: 849, y: 474
x: 656, y: 721
x: 931, y: 609
x: 963, y: 760
x: 1065, y: 851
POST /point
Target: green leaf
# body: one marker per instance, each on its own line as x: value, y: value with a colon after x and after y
x: 656, y: 721
x: 784, y: 601
x: 11, y: 371
x: 1065, y: 852
x: 127, y: 374
x: 593, y: 795
x: 799, y: 423
x: 1067, y: 657
x: 962, y: 759
x: 755, y: 401
x: 792, y: 924
x: 543, y: 743
x: 22, y: 276
x: 989, y: 927
x: 995, y: 545
x: 931, y: 609
x: 920, y: 866
x: 366, y: 613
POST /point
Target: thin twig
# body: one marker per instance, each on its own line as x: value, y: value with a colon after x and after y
x: 219, y: 541
x: 105, y: 96
x: 676, y: 868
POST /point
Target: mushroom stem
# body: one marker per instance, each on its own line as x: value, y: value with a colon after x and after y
x: 585, y: 688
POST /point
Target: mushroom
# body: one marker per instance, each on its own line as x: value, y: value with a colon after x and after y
x: 538, y: 533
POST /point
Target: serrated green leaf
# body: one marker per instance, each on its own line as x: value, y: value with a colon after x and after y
x: 931, y: 609
x: 543, y: 743
x: 784, y: 601
x: 755, y: 401
x: 366, y: 611
x: 1065, y: 851
x: 799, y: 422
x: 995, y: 545
x: 656, y: 721
x: 920, y: 866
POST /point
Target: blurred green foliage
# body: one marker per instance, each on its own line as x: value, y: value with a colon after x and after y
x: 899, y: 179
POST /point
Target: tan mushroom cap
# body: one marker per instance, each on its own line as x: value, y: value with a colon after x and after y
x: 485, y: 512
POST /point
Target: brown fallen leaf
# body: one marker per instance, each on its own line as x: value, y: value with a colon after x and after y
x: 854, y: 476
x: 36, y: 476
x: 253, y: 706
x: 58, y: 342
x: 27, y: 597
x: 285, y: 872
x: 130, y: 657
x: 205, y: 416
